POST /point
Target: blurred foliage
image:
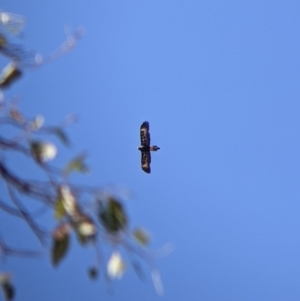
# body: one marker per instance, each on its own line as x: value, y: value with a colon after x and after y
x: 141, y: 236
x: 7, y: 287
x: 112, y: 215
x: 60, y: 243
x: 101, y: 220
x: 77, y: 164
x: 9, y: 74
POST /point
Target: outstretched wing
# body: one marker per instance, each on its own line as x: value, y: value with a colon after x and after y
x: 145, y: 135
x: 146, y: 160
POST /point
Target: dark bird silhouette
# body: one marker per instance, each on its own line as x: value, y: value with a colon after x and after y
x: 146, y: 148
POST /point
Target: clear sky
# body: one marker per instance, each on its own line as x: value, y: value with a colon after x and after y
x: 219, y: 83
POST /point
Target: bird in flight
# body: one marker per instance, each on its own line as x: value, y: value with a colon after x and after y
x: 145, y: 147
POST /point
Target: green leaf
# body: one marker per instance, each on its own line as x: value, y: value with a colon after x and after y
x: 59, y: 132
x: 141, y: 236
x: 60, y: 244
x: 59, y: 209
x: 36, y: 149
x: 112, y: 215
x: 76, y: 164
x: 3, y: 41
x: 9, y: 291
x: 5, y: 283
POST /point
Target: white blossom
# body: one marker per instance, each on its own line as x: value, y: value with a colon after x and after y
x: 87, y: 228
x: 48, y: 151
x: 43, y: 151
x: 115, y: 266
x: 38, y: 122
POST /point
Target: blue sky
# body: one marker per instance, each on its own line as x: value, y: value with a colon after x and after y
x: 219, y: 83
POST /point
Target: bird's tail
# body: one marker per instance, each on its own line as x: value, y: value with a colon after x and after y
x: 154, y: 148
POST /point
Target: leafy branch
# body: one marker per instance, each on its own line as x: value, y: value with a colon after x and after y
x: 103, y: 220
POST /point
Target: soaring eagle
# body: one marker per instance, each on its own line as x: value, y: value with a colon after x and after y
x: 145, y: 147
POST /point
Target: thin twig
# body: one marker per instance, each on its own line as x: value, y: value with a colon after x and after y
x: 10, y: 210
x: 15, y: 212
x: 27, y: 187
x: 12, y: 145
x: 5, y: 250
x: 40, y: 234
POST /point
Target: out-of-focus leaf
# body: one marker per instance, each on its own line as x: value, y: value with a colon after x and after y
x: 8, y: 288
x: 112, y: 215
x: 43, y: 151
x: 9, y: 291
x: 60, y: 243
x: 16, y: 115
x: 141, y: 236
x: 156, y: 279
x: 76, y: 164
x: 59, y: 132
x: 3, y: 41
x: 61, y: 231
x: 9, y: 74
x: 93, y: 273
x: 59, y: 209
x: 5, y: 277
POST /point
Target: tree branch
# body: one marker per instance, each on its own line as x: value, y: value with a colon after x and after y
x: 27, y: 187
x: 10, y: 210
x: 9, y: 144
x: 40, y: 234
x: 4, y: 249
